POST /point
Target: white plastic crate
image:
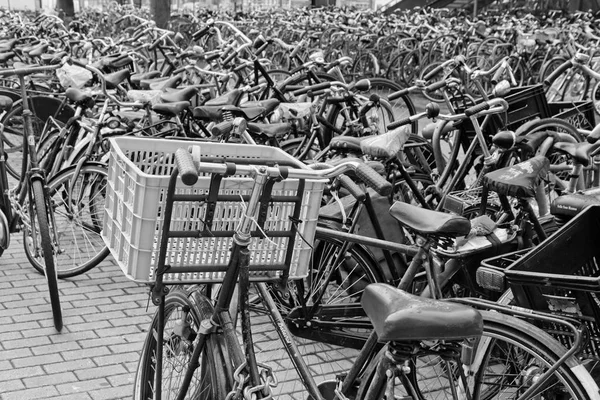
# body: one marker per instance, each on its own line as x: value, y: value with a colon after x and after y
x: 138, y: 174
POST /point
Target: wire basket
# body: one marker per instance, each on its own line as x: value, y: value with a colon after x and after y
x: 139, y: 170
x: 466, y: 201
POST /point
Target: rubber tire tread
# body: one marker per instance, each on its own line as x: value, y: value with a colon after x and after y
x: 201, y: 309
x: 37, y: 191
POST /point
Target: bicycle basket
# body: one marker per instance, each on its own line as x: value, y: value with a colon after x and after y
x: 562, y: 276
x: 139, y: 171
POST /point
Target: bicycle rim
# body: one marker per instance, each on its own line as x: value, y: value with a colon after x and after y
x: 209, y: 380
x: 78, y: 205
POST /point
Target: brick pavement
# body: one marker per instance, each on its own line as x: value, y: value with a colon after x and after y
x: 106, y: 317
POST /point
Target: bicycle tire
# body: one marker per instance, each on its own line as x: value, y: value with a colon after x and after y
x: 378, y: 118
x: 533, y: 351
x: 211, y: 378
x: 40, y: 220
x: 402, y: 107
x: 42, y: 108
x: 80, y: 223
x: 365, y: 65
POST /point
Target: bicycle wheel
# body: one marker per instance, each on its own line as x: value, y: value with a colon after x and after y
x: 78, y: 204
x: 402, y: 107
x: 38, y: 241
x: 323, y: 313
x: 378, y: 118
x: 510, y: 356
x: 365, y: 65
x: 210, y: 380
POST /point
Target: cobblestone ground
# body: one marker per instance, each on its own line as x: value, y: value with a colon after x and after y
x: 106, y: 318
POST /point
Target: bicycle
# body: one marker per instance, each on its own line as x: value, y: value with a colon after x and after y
x: 28, y: 203
x: 191, y: 328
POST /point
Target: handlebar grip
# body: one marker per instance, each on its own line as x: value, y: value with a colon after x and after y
x: 229, y: 58
x: 295, y: 51
x: 201, y: 33
x: 398, y: 124
x: 434, y: 72
x: 497, y: 75
x: 477, y: 109
x: 398, y: 94
x: 138, y: 35
x: 557, y: 72
x: 154, y: 44
x: 347, y: 183
x: 210, y: 57
x: 595, y: 135
x: 186, y: 167
x: 435, y: 86
x: 318, y: 86
x: 372, y: 179
x: 222, y: 128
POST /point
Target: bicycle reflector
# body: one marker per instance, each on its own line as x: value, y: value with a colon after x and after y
x: 491, y: 279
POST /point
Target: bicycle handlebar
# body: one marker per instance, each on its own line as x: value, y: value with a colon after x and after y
x: 30, y: 69
x: 493, y: 106
x: 188, y: 170
x: 557, y: 72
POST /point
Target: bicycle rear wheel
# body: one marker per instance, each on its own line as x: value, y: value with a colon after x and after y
x: 510, y: 356
x: 38, y: 241
x: 77, y: 199
x: 210, y: 379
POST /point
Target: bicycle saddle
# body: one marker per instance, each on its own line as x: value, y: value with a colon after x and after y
x: 162, y: 84
x: 248, y: 114
x: 269, y: 105
x: 579, y: 151
x: 114, y: 79
x: 136, y: 79
x: 226, y: 99
x: 171, y: 109
x: 38, y: 50
x: 8, y: 45
x: 5, y: 103
x: 430, y: 222
x: 386, y: 145
x: 184, y: 94
x: 80, y: 98
x: 571, y: 204
x: 4, y: 57
x: 400, y: 316
x: 519, y: 180
x: 270, y: 130
x: 210, y: 113
x: 116, y: 61
x: 54, y: 58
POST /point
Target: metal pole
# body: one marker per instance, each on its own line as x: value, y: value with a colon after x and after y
x: 475, y: 9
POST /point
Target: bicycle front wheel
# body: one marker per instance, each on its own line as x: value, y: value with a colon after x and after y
x: 210, y: 379
x: 38, y: 241
x: 77, y: 199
